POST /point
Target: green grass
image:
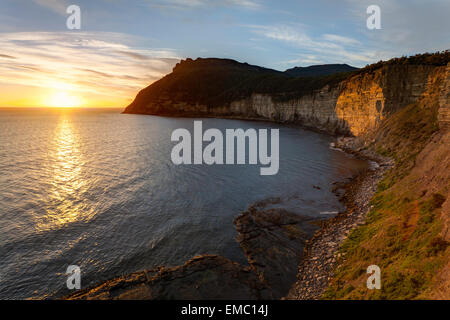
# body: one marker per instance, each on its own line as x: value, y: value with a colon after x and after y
x: 401, y: 233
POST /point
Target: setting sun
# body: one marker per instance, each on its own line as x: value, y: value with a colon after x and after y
x: 63, y: 99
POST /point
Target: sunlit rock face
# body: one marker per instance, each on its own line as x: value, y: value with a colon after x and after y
x: 368, y: 98
x: 354, y: 106
x: 444, y: 101
x: 360, y: 105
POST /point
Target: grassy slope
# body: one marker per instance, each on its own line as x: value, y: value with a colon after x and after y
x: 402, y: 234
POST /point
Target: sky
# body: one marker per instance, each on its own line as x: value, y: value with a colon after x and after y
x: 124, y: 46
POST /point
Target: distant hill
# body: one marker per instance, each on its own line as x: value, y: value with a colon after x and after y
x: 319, y: 70
x: 217, y: 82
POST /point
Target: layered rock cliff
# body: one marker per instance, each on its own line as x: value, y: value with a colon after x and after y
x: 354, y: 105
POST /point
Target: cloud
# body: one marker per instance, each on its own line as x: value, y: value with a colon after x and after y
x: 327, y: 47
x: 183, y: 3
x: 195, y: 4
x: 245, y: 3
x: 407, y: 27
x: 303, y: 59
x: 58, y: 6
x: 134, y: 55
x: 7, y: 56
x: 95, y: 63
x: 340, y: 39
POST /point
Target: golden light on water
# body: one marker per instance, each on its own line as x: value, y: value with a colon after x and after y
x: 64, y: 197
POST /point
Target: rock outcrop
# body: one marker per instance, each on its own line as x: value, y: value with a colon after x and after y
x: 272, y: 240
x: 202, y: 277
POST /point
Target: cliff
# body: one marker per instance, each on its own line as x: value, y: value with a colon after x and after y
x: 342, y: 103
x: 397, y: 217
x: 406, y: 229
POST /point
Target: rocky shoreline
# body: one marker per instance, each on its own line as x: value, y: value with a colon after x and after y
x: 321, y: 255
x: 272, y: 240
x: 278, y: 246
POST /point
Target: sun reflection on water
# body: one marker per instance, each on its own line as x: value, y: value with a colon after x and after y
x: 64, y: 201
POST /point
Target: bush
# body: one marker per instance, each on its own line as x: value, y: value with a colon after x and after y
x: 434, y: 59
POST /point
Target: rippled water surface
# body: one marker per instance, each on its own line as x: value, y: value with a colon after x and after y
x: 97, y: 189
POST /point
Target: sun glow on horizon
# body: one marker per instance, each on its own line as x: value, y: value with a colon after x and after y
x: 63, y: 99
x: 84, y: 70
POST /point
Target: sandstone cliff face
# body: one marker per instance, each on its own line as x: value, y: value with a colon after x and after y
x: 353, y: 106
x: 444, y: 101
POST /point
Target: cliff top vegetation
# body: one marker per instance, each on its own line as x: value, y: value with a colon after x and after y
x: 440, y: 58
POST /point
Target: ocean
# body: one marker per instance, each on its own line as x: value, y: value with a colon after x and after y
x: 97, y: 189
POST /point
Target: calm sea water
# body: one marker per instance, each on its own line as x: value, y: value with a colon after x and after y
x: 97, y: 189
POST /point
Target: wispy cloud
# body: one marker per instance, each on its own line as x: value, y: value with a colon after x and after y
x: 246, y: 3
x: 195, y: 4
x: 406, y: 27
x: 58, y: 6
x: 303, y: 59
x: 91, y: 63
x: 326, y: 47
x: 7, y: 56
x: 340, y: 39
